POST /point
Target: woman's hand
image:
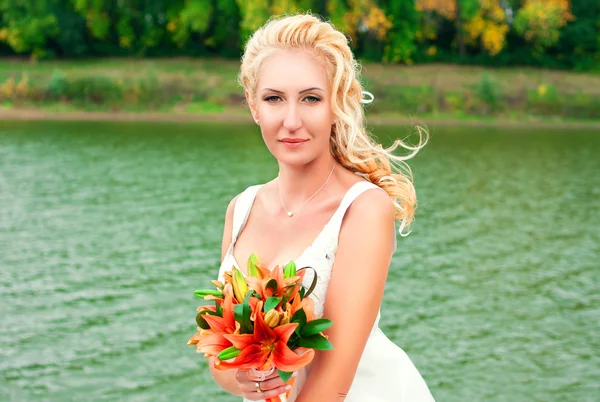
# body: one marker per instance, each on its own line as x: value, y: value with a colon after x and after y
x: 255, y: 390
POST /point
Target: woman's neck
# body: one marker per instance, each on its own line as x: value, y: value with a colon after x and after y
x: 298, y: 183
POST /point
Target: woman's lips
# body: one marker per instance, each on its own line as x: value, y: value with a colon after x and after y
x: 293, y: 142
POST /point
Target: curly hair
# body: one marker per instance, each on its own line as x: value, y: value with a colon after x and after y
x: 350, y: 143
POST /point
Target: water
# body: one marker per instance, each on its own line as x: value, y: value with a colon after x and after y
x: 107, y: 228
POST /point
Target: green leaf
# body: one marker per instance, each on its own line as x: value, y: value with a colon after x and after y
x: 317, y: 342
x: 201, y: 321
x: 241, y: 313
x: 299, y: 317
x: 285, y: 375
x: 315, y: 326
x: 272, y: 284
x: 313, y: 284
x: 271, y: 303
x: 290, y: 270
x: 201, y: 293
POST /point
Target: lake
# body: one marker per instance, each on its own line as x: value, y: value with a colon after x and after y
x: 108, y: 228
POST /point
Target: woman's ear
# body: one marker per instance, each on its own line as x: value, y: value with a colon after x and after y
x: 252, y: 106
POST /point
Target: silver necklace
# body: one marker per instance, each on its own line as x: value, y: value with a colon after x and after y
x: 290, y: 213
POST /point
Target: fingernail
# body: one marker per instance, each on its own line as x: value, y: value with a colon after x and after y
x: 288, y: 387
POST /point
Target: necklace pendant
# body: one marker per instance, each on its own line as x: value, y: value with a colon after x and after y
x: 290, y: 214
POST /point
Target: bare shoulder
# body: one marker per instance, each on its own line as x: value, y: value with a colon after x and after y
x: 372, y: 207
x: 231, y: 205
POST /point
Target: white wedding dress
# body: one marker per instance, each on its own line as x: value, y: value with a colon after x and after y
x: 385, y: 372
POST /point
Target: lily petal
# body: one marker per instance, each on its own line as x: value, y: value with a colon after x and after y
x: 308, y: 305
x: 262, y: 332
x: 216, y: 323
x: 240, y: 342
x: 212, y: 344
x: 228, y: 314
x: 283, y: 332
x: 256, y: 284
x: 287, y: 360
x: 251, y: 357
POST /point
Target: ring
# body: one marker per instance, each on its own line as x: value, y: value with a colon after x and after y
x: 257, y: 385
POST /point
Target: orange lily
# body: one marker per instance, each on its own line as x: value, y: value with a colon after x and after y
x: 265, y: 348
x: 298, y: 303
x: 259, y: 285
x: 212, y: 341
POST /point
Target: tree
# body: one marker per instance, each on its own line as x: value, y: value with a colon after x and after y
x: 254, y: 13
x: 540, y: 21
x: 488, y: 27
x: 459, y: 11
x: 191, y: 16
x: 401, y: 39
x: 27, y: 25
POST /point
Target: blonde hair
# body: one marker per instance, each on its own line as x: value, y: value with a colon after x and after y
x: 350, y: 144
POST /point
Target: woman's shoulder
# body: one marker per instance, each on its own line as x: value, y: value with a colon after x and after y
x: 250, y: 189
x: 371, y: 205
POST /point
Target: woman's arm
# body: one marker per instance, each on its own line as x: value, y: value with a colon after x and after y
x: 354, y: 295
x: 226, y: 379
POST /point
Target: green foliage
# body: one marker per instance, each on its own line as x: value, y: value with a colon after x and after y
x: 553, y: 33
x: 199, y: 87
x: 57, y: 87
x: 27, y: 26
x: 488, y: 92
x: 402, y: 43
x: 254, y: 13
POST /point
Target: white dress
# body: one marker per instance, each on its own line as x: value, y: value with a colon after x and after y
x: 385, y: 373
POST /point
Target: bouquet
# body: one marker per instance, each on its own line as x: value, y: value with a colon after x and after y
x: 260, y: 322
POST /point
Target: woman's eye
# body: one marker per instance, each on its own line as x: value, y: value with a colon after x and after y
x: 272, y: 99
x: 312, y: 99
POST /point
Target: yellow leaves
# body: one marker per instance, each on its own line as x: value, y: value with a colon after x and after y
x: 125, y: 42
x: 172, y: 25
x: 539, y: 21
x: 13, y: 91
x: 431, y: 50
x: 377, y: 22
x: 488, y: 26
x: 7, y: 89
x: 284, y: 7
x: 445, y: 8
x: 362, y: 15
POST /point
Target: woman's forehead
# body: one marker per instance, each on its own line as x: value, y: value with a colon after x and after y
x: 292, y: 69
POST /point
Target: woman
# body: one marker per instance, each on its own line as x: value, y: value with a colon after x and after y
x: 301, y: 84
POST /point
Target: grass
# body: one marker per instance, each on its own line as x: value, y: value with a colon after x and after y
x: 209, y: 86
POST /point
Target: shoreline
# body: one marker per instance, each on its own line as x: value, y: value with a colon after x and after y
x: 228, y: 117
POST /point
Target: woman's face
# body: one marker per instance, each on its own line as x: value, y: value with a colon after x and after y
x: 293, y: 106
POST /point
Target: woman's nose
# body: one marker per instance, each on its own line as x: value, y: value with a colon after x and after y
x: 292, y: 120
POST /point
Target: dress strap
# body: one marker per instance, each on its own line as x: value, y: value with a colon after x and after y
x: 336, y: 220
x: 354, y: 191
x: 241, y: 210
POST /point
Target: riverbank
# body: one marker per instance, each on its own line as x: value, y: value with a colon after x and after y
x: 206, y: 90
x: 242, y: 116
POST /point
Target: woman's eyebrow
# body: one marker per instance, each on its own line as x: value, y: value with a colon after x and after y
x: 311, y: 89
x: 301, y: 92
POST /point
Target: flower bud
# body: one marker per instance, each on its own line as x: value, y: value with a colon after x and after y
x: 285, y: 318
x: 272, y: 318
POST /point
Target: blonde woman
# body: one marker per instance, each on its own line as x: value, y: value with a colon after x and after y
x: 332, y: 206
